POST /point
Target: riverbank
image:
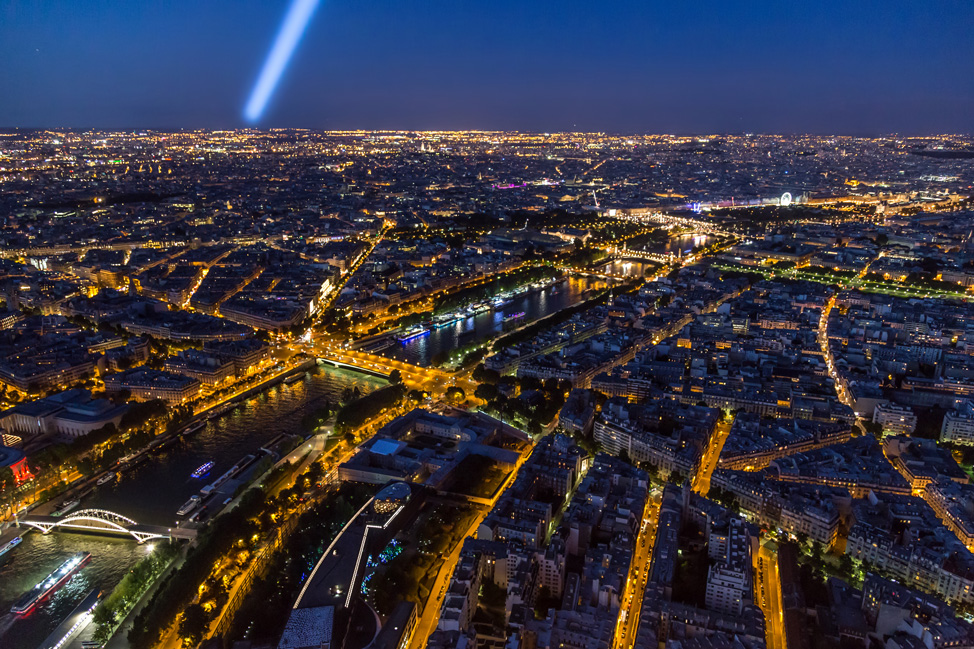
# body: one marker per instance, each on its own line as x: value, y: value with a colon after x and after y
x: 151, y: 492
x: 81, y: 487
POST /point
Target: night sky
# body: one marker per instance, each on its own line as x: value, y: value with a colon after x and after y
x: 681, y: 66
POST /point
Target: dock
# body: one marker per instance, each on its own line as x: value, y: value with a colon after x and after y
x: 75, y: 624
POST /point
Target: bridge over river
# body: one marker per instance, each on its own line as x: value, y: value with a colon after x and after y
x: 102, y: 521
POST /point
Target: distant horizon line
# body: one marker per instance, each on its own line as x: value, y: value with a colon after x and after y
x: 190, y: 129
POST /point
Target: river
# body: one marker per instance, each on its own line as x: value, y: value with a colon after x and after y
x: 150, y: 494
x: 632, y: 267
x: 534, y: 305
x: 628, y: 268
x: 683, y: 244
x: 35, y: 558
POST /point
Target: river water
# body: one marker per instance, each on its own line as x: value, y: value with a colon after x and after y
x: 35, y: 558
x: 683, y: 244
x: 632, y: 267
x: 150, y: 494
x: 628, y: 268
x: 534, y: 305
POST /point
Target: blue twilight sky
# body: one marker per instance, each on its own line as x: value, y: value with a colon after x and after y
x: 684, y: 66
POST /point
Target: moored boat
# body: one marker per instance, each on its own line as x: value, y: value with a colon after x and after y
x: 105, y: 479
x: 234, y: 470
x: 189, y: 505
x: 195, y: 428
x: 412, y: 333
x: 66, y: 506
x: 10, y: 545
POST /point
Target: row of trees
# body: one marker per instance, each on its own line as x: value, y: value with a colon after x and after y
x: 583, y: 257
x: 317, y: 417
x: 410, y: 575
x: 919, y: 280
x: 498, y: 284
x: 821, y: 270
x: 357, y: 412
x: 225, y: 537
x: 113, y: 609
x: 536, y: 405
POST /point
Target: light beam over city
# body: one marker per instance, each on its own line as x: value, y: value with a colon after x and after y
x: 295, y: 23
x: 394, y: 360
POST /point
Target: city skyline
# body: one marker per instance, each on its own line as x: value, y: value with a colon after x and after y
x: 452, y: 325
x: 453, y: 389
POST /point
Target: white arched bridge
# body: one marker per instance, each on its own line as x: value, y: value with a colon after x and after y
x: 102, y: 521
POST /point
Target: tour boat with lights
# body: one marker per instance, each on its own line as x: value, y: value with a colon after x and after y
x: 204, y: 470
x: 445, y: 320
x: 53, y: 581
x: 412, y: 333
x: 222, y: 410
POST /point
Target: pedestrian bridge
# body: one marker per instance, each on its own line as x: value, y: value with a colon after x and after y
x: 102, y: 521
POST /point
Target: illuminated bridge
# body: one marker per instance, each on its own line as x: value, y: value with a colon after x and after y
x: 424, y: 378
x: 361, y: 367
x: 660, y: 258
x: 102, y: 521
x: 670, y: 221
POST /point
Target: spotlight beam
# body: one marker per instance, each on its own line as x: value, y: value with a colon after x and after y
x: 292, y: 29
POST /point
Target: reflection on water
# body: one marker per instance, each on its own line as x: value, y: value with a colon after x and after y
x: 629, y: 268
x: 35, y: 558
x: 151, y: 494
x: 225, y: 441
x: 534, y: 305
x: 632, y: 267
x: 683, y: 244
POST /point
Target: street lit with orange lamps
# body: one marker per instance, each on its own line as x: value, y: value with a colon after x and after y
x: 639, y: 569
x: 768, y: 583
x: 701, y: 479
